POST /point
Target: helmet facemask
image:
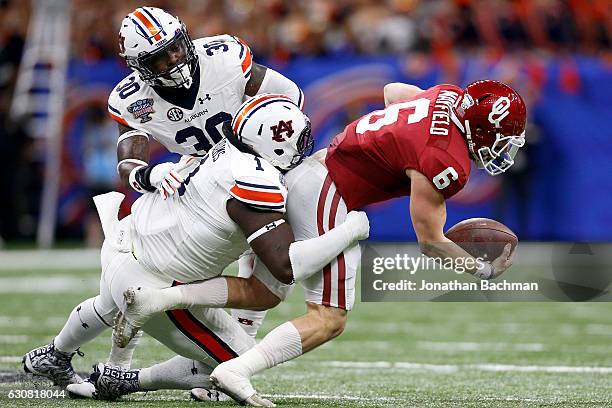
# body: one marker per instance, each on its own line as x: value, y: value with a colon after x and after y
x: 157, y: 69
x: 305, y: 146
x: 499, y: 157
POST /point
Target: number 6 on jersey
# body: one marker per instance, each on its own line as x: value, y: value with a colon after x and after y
x: 391, y: 113
x: 444, y: 178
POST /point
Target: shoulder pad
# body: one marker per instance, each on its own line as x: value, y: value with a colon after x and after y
x: 129, y: 103
x: 235, y: 53
x: 257, y: 183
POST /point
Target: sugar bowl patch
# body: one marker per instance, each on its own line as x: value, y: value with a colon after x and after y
x: 142, y: 109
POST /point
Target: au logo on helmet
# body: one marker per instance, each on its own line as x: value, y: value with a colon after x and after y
x: 282, y: 127
x: 499, y: 111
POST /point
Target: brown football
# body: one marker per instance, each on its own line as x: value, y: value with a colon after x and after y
x: 482, y: 237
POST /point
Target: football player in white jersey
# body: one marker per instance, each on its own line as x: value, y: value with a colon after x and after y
x: 179, y: 93
x: 227, y: 195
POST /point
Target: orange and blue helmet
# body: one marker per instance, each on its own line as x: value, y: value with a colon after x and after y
x: 157, y: 46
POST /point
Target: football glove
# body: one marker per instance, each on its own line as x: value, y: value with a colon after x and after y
x: 163, y: 177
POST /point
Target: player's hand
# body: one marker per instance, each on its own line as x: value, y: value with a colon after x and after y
x: 502, y: 262
x: 185, y: 162
x: 166, y: 179
x: 358, y: 224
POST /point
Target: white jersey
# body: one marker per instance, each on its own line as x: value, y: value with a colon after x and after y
x: 190, y: 236
x: 190, y: 125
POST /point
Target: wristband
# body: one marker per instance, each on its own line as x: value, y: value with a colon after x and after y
x: 140, y: 179
x: 131, y: 133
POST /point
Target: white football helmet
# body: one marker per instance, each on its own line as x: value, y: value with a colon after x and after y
x: 275, y: 128
x: 157, y: 46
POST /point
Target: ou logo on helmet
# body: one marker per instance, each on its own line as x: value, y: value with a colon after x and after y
x: 499, y: 111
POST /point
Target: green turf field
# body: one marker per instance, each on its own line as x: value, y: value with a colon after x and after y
x: 391, y: 354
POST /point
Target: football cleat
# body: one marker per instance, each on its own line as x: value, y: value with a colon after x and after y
x: 53, y: 364
x: 237, y: 386
x: 140, y: 306
x: 205, y: 394
x: 109, y: 383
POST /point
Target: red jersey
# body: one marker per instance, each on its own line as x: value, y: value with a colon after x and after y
x: 368, y: 161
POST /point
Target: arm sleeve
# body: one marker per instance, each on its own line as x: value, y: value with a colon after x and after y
x: 311, y: 255
x: 259, y: 193
x: 444, y: 172
x: 277, y: 83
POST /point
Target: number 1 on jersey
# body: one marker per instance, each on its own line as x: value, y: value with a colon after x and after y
x: 391, y: 113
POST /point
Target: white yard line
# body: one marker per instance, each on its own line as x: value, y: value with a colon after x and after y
x: 13, y: 338
x: 49, y: 284
x: 13, y: 321
x: 478, y: 346
x: 84, y: 258
x: 449, y: 368
x: 10, y: 359
x: 322, y: 397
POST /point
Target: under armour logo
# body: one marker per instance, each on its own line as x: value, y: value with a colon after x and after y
x: 282, y: 127
x: 246, y: 322
x: 85, y: 325
x: 270, y: 226
x: 206, y: 98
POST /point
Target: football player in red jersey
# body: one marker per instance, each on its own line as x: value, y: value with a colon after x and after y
x: 420, y: 145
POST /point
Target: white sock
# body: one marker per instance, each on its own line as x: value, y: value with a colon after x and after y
x: 249, y: 320
x: 178, y: 373
x: 209, y: 293
x: 280, y: 345
x: 122, y: 357
x: 83, y: 325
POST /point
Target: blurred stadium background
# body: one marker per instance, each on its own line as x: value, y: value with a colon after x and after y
x: 57, y: 147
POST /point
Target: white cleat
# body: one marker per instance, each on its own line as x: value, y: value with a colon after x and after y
x: 237, y: 386
x: 84, y: 389
x: 205, y: 394
x: 140, y: 307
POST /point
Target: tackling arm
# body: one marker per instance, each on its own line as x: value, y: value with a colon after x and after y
x: 428, y: 213
x: 272, y: 241
x: 396, y: 91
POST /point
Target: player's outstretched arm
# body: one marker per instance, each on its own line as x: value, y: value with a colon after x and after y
x: 266, y: 80
x: 272, y: 246
x: 428, y: 213
x: 271, y: 238
x: 397, y: 91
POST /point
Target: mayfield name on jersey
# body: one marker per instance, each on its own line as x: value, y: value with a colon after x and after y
x: 190, y: 124
x: 369, y: 159
x: 191, y: 236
